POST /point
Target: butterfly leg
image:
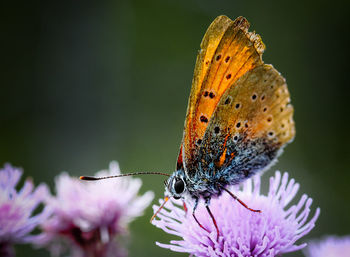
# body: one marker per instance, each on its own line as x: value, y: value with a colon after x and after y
x: 239, y: 200
x: 207, y: 203
x: 194, y: 216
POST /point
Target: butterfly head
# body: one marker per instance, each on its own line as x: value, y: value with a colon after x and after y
x: 175, y: 185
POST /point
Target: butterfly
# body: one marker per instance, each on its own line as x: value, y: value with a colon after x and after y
x: 239, y: 117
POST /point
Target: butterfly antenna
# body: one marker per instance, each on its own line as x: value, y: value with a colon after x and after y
x: 123, y: 175
x: 161, y: 207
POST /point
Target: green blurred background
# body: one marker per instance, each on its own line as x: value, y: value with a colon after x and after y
x: 84, y: 83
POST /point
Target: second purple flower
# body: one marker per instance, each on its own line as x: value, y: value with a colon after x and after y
x: 88, y: 216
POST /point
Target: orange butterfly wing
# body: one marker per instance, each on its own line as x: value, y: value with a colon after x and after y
x: 227, y: 52
x: 251, y: 124
x: 208, y: 46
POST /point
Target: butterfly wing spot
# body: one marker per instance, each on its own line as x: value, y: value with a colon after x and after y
x: 269, y: 119
x: 254, y: 96
x: 199, y: 141
x: 218, y: 57
x: 235, y: 138
x: 228, y: 76
x: 204, y: 119
x: 227, y: 59
x: 262, y: 98
x: 271, y: 134
x: 216, y: 130
x: 265, y: 109
x: 206, y: 94
x: 238, y: 125
x: 237, y: 106
x: 246, y: 125
x: 228, y: 100
x: 281, y: 109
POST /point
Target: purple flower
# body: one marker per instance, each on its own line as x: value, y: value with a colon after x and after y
x: 16, y: 209
x: 89, y: 215
x: 328, y: 247
x: 242, y: 233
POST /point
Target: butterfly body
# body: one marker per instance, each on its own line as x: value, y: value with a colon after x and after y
x: 239, y: 116
x: 242, y: 162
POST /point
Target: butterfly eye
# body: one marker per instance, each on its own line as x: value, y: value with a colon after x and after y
x: 179, y: 186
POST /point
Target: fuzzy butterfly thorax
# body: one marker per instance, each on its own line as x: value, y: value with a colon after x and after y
x: 239, y: 115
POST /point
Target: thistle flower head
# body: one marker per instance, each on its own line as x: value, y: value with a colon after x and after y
x: 242, y: 233
x: 16, y: 209
x: 330, y: 246
x: 89, y: 215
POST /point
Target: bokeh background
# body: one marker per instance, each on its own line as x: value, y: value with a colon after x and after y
x: 84, y: 83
